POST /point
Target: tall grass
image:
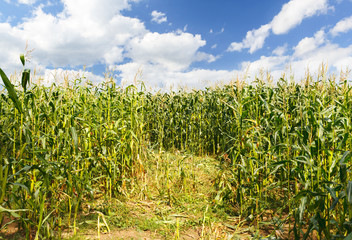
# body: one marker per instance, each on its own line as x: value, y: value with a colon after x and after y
x: 283, y: 150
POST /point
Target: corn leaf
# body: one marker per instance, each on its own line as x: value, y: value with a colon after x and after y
x: 12, y: 212
x: 25, y: 78
x: 349, y: 192
x: 11, y: 90
x: 75, y: 138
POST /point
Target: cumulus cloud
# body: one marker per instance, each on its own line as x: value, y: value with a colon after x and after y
x: 163, y: 61
x: 95, y: 10
x: 309, y: 44
x: 309, y: 53
x: 337, y: 58
x: 158, y: 17
x: 28, y: 2
x: 172, y: 51
x: 281, y: 50
x: 269, y: 63
x: 87, y: 33
x: 60, y: 76
x: 96, y: 31
x: 254, y: 40
x: 291, y: 15
x: 342, y: 26
x: 157, y: 78
x: 10, y: 45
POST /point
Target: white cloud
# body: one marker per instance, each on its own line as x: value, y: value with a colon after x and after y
x: 59, y: 76
x: 309, y: 44
x: 87, y: 33
x: 94, y: 10
x: 156, y: 77
x: 254, y: 40
x: 115, y: 55
x: 158, y: 17
x: 337, y: 58
x: 342, y: 26
x: 291, y: 15
x: 281, y: 50
x: 343, y: 63
x: 95, y: 31
x: 236, y: 46
x: 214, y: 46
x: 10, y: 46
x: 310, y: 53
x: 293, y: 12
x: 202, y: 56
x: 219, y: 32
x: 83, y: 34
x: 271, y: 63
x: 28, y: 2
x: 172, y: 51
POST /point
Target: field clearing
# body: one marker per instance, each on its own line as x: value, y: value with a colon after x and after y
x: 263, y: 161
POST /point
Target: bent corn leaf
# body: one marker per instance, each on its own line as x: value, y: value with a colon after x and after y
x: 11, y: 90
x: 12, y: 212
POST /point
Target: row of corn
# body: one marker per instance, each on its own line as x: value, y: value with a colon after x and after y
x: 283, y: 149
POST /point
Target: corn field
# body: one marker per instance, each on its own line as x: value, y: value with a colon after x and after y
x: 283, y: 150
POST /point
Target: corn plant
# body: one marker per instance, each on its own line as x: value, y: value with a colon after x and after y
x: 284, y: 150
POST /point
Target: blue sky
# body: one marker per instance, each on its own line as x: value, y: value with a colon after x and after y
x: 169, y: 43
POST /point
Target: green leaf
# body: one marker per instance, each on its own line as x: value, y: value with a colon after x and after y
x: 346, y: 155
x: 25, y: 78
x: 334, y: 198
x: 349, y: 192
x: 12, y: 212
x: 51, y: 104
x: 75, y: 138
x: 11, y: 90
x: 301, y: 208
x: 22, y: 59
x: 23, y: 186
x: 343, y: 172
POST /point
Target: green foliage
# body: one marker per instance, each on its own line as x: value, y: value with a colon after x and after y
x: 283, y: 150
x: 11, y: 90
